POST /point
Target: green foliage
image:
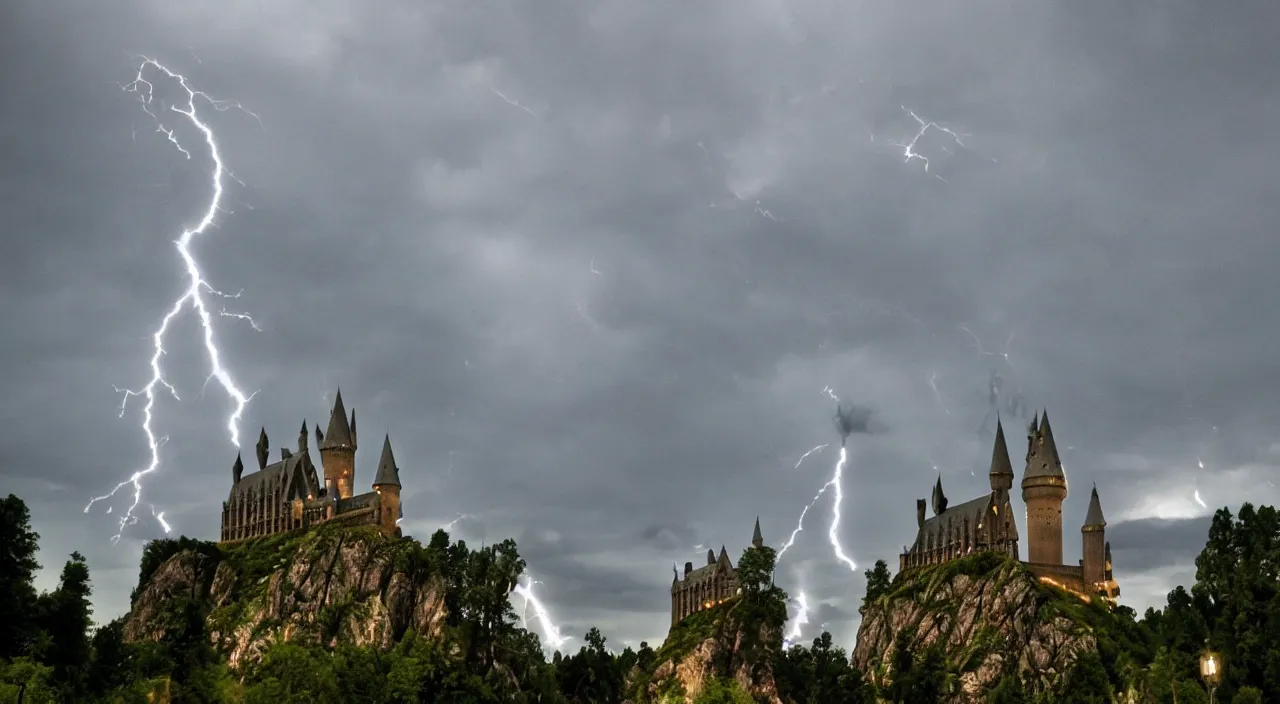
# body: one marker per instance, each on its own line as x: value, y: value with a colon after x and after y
x: 718, y: 690
x: 18, y: 565
x: 879, y: 582
x: 50, y: 653
x: 818, y: 675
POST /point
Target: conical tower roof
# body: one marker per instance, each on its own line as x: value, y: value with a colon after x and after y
x: 388, y: 473
x: 756, y: 538
x: 939, y: 498
x: 1094, y: 519
x: 339, y: 433
x: 1000, y: 463
x: 1043, y: 460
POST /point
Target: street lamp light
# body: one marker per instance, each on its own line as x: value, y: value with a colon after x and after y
x: 1211, y: 668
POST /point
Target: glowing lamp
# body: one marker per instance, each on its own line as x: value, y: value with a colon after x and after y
x: 1211, y: 667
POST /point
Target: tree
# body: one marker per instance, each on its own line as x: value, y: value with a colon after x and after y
x: 878, y: 581
x: 18, y: 565
x: 755, y: 570
x: 65, y: 614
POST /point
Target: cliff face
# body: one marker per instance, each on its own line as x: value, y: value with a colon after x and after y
x: 349, y: 585
x: 710, y: 649
x: 991, y: 618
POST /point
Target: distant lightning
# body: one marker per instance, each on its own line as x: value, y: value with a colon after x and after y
x: 937, y: 395
x: 909, y: 148
x: 194, y: 295
x: 550, y: 631
x: 986, y: 353
x: 798, y: 621
x: 513, y: 103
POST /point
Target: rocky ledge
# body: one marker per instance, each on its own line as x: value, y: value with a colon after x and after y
x: 340, y: 584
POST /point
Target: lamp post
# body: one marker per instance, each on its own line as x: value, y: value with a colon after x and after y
x: 1211, y: 667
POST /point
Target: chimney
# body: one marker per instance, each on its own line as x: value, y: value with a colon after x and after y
x: 921, y: 505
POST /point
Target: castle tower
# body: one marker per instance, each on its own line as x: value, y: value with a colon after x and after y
x: 939, y: 498
x: 757, y: 540
x: 387, y: 485
x: 1044, y: 488
x: 1093, y: 565
x: 237, y: 470
x: 1001, y: 474
x: 338, y: 451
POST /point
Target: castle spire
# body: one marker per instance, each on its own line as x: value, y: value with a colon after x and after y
x: 237, y: 470
x: 1093, y: 518
x: 263, y: 447
x: 302, y: 437
x: 388, y: 474
x: 939, y: 498
x: 339, y: 433
x: 1001, y: 472
x: 757, y: 540
x: 711, y: 557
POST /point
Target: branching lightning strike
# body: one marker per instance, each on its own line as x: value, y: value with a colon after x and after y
x: 194, y: 295
x: 836, y: 482
x: 908, y: 148
x: 550, y: 631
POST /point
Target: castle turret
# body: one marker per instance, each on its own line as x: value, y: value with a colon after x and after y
x: 387, y: 485
x: 237, y: 470
x: 921, y: 508
x: 1044, y: 488
x: 1001, y: 473
x: 1093, y: 565
x: 711, y: 557
x: 302, y: 438
x: 338, y: 452
x: 263, y: 447
x: 757, y: 540
x: 939, y: 498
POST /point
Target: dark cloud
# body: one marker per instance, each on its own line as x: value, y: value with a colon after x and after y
x: 594, y: 291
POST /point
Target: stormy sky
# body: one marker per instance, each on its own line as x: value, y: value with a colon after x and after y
x: 593, y: 266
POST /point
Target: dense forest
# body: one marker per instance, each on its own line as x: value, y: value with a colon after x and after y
x: 52, y: 651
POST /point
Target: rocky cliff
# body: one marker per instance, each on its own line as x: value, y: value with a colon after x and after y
x: 715, y: 649
x: 352, y: 585
x: 990, y: 617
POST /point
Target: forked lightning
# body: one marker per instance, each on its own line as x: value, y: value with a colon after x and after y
x: 194, y: 294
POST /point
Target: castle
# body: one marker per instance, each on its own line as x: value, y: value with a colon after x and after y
x: 285, y: 495
x: 708, y: 585
x: 986, y: 523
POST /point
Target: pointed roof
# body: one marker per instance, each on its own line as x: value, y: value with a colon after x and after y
x: 939, y: 498
x: 724, y: 556
x: 237, y: 469
x: 1044, y: 460
x: 711, y: 557
x: 757, y: 539
x: 388, y: 472
x: 1000, y: 464
x: 1094, y: 519
x: 339, y: 433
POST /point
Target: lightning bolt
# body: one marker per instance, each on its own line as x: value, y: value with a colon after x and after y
x: 937, y: 395
x: 194, y: 295
x: 512, y: 103
x: 909, y: 148
x: 550, y: 632
x: 836, y: 482
x: 798, y: 622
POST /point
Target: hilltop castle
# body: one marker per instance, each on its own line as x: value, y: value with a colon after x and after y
x: 708, y: 585
x: 286, y: 496
x: 986, y: 523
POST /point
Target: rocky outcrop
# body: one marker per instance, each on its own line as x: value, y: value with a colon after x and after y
x: 710, y: 645
x: 330, y: 586
x: 989, y: 615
